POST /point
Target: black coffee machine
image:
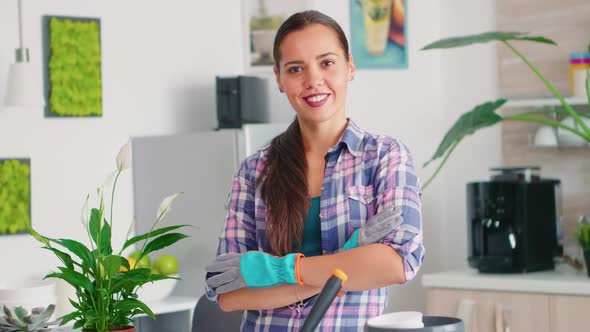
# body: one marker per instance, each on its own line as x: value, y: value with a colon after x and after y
x: 512, y: 221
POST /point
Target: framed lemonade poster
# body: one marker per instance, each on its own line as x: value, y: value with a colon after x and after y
x: 378, y: 34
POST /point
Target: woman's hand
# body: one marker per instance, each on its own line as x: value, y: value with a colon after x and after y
x: 376, y: 228
x: 253, y: 269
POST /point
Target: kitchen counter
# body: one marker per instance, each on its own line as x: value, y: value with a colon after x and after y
x: 563, y: 280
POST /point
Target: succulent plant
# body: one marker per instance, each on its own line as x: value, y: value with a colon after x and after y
x: 18, y: 319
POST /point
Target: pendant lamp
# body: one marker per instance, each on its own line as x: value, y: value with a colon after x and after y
x: 23, y: 88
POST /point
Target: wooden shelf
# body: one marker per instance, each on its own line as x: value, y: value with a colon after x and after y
x: 544, y: 102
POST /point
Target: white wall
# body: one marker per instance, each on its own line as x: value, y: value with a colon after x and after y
x: 469, y: 78
x: 158, y: 78
x: 159, y: 63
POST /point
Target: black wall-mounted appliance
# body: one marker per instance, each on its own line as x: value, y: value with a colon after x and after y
x: 241, y: 99
x: 512, y: 222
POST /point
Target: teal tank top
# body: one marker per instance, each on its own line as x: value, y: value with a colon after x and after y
x: 312, y: 231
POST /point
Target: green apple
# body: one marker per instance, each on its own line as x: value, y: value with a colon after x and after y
x: 143, y: 263
x: 166, y: 264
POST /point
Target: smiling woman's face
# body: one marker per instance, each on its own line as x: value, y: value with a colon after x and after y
x: 314, y: 72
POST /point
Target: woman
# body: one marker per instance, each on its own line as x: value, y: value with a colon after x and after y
x: 325, y: 194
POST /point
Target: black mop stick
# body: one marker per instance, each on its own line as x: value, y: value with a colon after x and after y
x: 327, y: 295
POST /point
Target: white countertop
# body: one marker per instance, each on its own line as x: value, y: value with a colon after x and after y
x: 173, y: 304
x: 563, y: 280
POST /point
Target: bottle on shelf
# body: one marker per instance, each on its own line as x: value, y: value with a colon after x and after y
x: 579, y: 66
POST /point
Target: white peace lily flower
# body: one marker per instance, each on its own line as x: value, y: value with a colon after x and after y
x: 165, y: 205
x: 124, y: 157
x: 99, y: 194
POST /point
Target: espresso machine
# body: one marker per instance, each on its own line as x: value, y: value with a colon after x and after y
x: 512, y: 221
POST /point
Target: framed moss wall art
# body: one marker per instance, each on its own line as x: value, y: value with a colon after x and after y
x: 72, y: 66
x: 15, y: 196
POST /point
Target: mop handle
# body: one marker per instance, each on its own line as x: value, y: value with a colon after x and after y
x: 327, y: 295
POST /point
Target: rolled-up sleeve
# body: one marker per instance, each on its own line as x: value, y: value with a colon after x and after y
x: 398, y: 186
x: 239, y: 231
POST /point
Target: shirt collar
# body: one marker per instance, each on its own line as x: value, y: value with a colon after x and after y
x: 352, y: 138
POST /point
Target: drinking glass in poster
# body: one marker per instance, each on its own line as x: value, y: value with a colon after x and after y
x: 378, y: 33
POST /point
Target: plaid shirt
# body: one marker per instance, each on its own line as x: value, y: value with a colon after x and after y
x: 364, y: 173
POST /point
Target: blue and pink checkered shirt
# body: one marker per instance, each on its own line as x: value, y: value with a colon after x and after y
x: 364, y: 173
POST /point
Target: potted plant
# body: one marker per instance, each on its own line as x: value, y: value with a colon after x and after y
x: 263, y: 29
x: 104, y: 281
x: 19, y: 320
x: 583, y: 236
x: 484, y: 115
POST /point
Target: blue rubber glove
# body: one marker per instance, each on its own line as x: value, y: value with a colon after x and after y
x: 376, y: 228
x: 253, y: 269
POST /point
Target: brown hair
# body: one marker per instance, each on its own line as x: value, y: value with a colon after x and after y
x: 299, y: 21
x: 285, y: 187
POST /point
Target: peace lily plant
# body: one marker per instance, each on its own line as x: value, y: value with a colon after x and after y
x: 484, y: 115
x: 105, y: 284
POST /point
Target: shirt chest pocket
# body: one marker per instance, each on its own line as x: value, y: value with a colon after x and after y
x: 361, y: 204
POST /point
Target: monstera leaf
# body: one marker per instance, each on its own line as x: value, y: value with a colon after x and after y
x: 484, y: 115
x: 484, y: 38
x: 481, y: 116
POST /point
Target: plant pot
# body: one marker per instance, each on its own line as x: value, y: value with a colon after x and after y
x: 587, y: 261
x: 126, y: 329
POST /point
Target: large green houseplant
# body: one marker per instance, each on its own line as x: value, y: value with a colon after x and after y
x: 484, y: 115
x: 105, y: 284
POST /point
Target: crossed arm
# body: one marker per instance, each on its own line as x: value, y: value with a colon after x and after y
x: 367, y: 267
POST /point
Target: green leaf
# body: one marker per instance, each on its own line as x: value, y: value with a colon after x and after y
x: 105, y: 240
x: 7, y: 311
x: 163, y: 242
x: 483, y: 115
x: 69, y: 317
x: 79, y: 324
x: 156, y: 276
x: 39, y: 237
x: 65, y: 258
x: 130, y: 279
x: 20, y: 313
x: 484, y: 38
x: 74, y: 304
x: 111, y: 264
x: 148, y: 235
x: 73, y: 278
x: 130, y: 304
x: 94, y: 224
x: 79, y: 250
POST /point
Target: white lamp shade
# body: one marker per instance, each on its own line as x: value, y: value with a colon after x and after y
x: 23, y: 88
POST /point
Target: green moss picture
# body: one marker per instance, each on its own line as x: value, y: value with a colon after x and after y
x: 15, y: 195
x: 72, y: 53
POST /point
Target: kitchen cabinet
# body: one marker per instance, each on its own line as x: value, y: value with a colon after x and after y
x: 494, y: 311
x: 547, y: 301
x: 569, y: 313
